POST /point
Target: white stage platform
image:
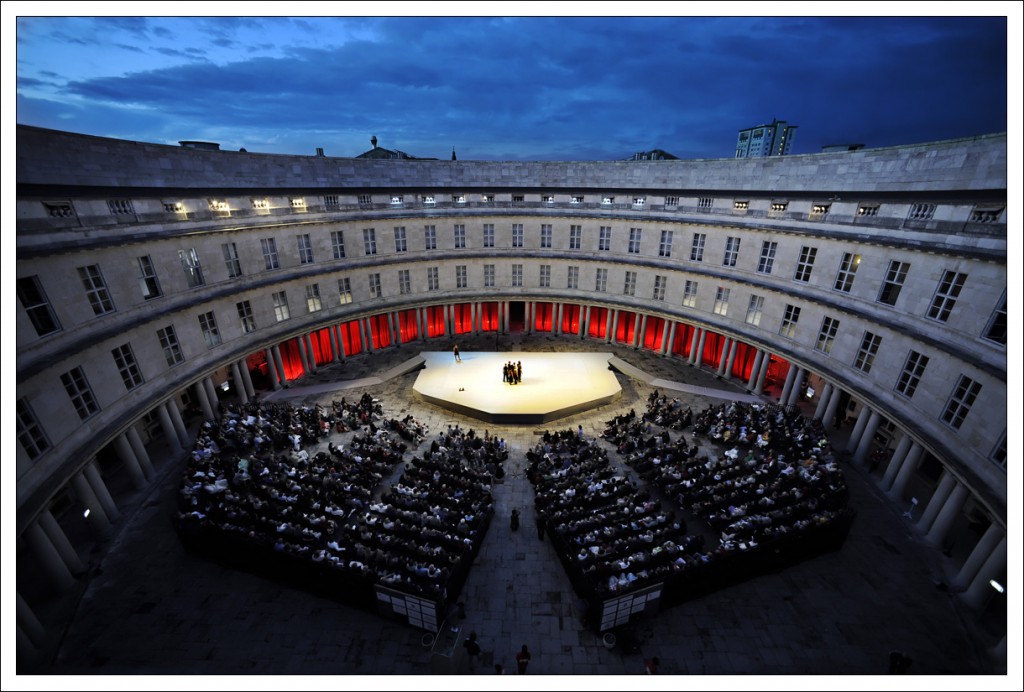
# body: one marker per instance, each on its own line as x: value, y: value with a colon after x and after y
x: 554, y: 385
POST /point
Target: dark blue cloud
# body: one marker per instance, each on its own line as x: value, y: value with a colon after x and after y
x: 567, y: 88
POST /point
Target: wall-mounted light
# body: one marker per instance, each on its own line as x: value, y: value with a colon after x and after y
x: 86, y: 514
x: 997, y: 586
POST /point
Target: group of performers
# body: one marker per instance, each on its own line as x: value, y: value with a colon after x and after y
x: 512, y: 372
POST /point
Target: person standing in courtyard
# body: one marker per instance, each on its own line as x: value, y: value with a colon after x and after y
x: 523, y: 659
x: 456, y: 352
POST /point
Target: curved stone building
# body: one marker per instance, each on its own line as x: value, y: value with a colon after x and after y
x: 152, y: 278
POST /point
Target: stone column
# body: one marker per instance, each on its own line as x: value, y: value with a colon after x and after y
x: 60, y: 542
x: 897, y: 460
x: 858, y: 429
x: 752, y: 380
x: 947, y: 515
x: 199, y: 388
x: 211, y: 391
x: 609, y: 324
x: 823, y: 402
x: 867, y: 438
x: 421, y: 322
x: 236, y: 377
x: 693, y: 344
x: 303, y: 356
x: 907, y: 469
x: 615, y: 327
x: 170, y: 434
x: 723, y: 357
x: 833, y: 406
x: 787, y: 386
x: 641, y: 333
x: 980, y: 590
x: 92, y: 475
x: 178, y: 423
x: 670, y: 337
x: 798, y: 387
x: 762, y: 375
x: 97, y: 517
x: 368, y: 326
x: 393, y: 327
x: 247, y: 378
x: 49, y: 558
x: 29, y: 623
x: 982, y: 551
x: 559, y: 310
x: 732, y: 357
x: 275, y: 379
x: 336, y: 344
x: 140, y: 451
x: 131, y: 464
x: 279, y: 361
x: 310, y: 351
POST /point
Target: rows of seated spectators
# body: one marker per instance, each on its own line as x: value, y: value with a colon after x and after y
x: 423, y: 533
x: 777, y: 483
x: 611, y: 536
x: 668, y: 413
x: 317, y: 512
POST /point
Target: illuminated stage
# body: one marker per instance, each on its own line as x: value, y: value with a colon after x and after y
x: 554, y: 385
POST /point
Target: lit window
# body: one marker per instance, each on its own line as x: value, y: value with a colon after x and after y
x: 789, y: 319
x: 313, y: 302
x: 690, y: 294
x: 827, y: 335
x: 847, y: 271
x: 281, y: 311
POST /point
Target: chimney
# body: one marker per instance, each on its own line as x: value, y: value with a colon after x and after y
x: 373, y: 141
x: 319, y: 151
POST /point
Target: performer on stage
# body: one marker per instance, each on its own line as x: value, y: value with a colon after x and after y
x: 456, y: 352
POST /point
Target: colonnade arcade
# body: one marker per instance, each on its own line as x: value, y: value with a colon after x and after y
x: 894, y: 458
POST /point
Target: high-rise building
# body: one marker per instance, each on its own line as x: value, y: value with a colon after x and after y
x: 773, y: 139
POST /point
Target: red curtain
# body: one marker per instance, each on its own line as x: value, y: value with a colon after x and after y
x: 408, y: 326
x: 351, y: 343
x: 570, y: 319
x: 322, y: 346
x: 598, y: 322
x: 542, y: 319
x: 380, y: 331
x: 291, y: 359
x: 463, y: 318
x: 490, y: 318
x: 712, y: 348
x: 435, y: 320
x: 627, y: 327
x: 684, y: 339
x: 654, y: 333
x: 744, y: 361
x: 778, y: 370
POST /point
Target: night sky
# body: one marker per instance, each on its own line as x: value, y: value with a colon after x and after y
x: 501, y: 88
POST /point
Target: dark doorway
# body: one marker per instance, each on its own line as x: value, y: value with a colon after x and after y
x: 516, y: 316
